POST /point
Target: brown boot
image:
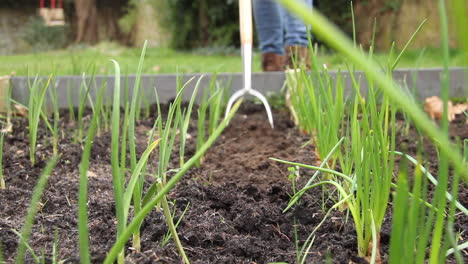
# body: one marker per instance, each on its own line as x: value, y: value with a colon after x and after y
x: 272, y: 62
x: 299, y: 55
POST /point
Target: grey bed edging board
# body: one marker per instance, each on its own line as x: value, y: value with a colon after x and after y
x: 427, y: 84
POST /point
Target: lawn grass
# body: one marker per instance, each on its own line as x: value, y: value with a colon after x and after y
x: 78, y: 59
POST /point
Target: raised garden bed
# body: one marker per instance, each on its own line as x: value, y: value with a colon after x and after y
x: 347, y: 194
x: 235, y: 199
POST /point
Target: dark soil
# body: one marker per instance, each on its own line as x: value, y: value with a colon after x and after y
x: 235, y: 198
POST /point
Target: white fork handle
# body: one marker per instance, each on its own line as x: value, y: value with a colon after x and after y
x: 246, y: 35
x: 245, y: 20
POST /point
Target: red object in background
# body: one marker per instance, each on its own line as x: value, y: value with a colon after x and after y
x: 52, y: 3
x: 53, y: 15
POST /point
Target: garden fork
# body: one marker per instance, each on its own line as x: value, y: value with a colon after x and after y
x: 246, y: 32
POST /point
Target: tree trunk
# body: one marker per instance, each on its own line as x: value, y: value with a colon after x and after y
x: 87, y: 21
x: 396, y: 21
x: 375, y: 11
x: 148, y: 25
x: 204, y: 23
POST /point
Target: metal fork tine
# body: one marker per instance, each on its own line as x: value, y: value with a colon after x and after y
x: 265, y: 103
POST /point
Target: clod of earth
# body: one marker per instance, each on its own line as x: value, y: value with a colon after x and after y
x: 434, y: 106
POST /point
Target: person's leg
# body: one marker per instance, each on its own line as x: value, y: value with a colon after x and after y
x: 270, y: 31
x: 269, y: 24
x: 296, y: 30
x: 296, y: 39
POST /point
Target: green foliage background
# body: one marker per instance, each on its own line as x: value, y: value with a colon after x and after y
x: 195, y: 24
x: 339, y: 12
x: 41, y: 37
x: 200, y: 23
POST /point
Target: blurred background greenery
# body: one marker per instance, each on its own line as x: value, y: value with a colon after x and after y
x: 192, y: 36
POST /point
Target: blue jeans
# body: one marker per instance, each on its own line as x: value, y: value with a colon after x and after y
x: 277, y: 28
